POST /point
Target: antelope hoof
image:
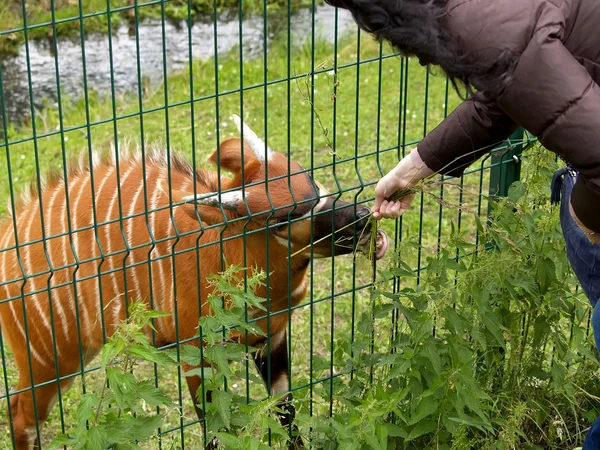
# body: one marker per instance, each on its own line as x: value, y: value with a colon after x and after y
x: 288, y: 413
x: 212, y: 444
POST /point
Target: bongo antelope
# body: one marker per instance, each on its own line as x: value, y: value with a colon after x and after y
x: 82, y: 269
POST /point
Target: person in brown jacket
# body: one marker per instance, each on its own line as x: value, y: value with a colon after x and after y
x: 523, y: 63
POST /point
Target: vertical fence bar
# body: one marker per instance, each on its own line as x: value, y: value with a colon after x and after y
x: 312, y: 166
x: 40, y: 189
x: 26, y: 234
x: 401, y: 151
x: 91, y: 157
x: 334, y: 161
x: 441, y: 208
x: 140, y: 95
x: 506, y: 167
x: 422, y: 195
x: 288, y: 331
x: 289, y: 335
x: 120, y: 180
x: 12, y: 209
x: 269, y: 380
x: 194, y: 395
x: 243, y: 163
x: 356, y: 145
x: 172, y: 217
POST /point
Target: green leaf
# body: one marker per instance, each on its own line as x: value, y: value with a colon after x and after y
x: 382, y: 310
x: 455, y: 321
x: 516, y: 191
x: 250, y: 443
x: 152, y: 395
x: 217, y: 355
x: 152, y: 314
x: 396, y: 431
x: 478, y: 336
x: 457, y: 266
x: 421, y: 429
x: 400, y: 367
x: 540, y: 331
x: 382, y: 434
x: 320, y: 363
x: 432, y: 354
x: 108, y: 353
x: 229, y: 440
x: 427, y: 406
x: 143, y: 426
x: 537, y: 372
x: 118, y: 432
x: 365, y: 324
x: 205, y: 373
x: 343, y: 429
x: 546, y: 272
x: 471, y: 422
x: 151, y: 354
x: 190, y: 354
x: 61, y: 441
x: 372, y: 441
x: 97, y: 438
x: 86, y: 410
x: 222, y: 401
x: 493, y: 326
x: 525, y: 282
x: 121, y: 385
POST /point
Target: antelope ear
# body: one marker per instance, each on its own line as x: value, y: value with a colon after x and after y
x: 208, y: 214
x: 229, y: 157
x: 234, y: 203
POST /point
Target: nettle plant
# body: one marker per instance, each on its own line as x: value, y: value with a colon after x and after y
x: 118, y: 417
x: 490, y: 350
x: 230, y: 418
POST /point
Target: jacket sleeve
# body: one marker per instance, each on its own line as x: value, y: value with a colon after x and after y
x: 474, y: 128
x: 550, y: 93
x: 555, y: 98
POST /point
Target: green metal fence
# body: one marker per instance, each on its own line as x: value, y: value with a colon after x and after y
x: 305, y: 79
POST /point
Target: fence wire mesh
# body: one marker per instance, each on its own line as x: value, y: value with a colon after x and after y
x: 122, y: 79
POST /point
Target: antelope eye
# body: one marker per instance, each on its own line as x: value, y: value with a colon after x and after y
x: 278, y: 225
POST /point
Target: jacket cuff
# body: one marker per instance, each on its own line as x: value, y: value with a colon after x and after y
x: 436, y: 165
x: 583, y: 199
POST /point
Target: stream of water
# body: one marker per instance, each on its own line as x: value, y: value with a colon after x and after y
x: 15, y: 79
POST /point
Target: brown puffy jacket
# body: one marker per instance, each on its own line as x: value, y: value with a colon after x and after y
x: 554, y: 92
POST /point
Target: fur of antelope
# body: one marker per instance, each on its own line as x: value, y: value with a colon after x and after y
x: 85, y: 271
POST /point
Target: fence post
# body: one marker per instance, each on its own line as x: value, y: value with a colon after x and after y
x: 507, y: 166
x: 506, y: 169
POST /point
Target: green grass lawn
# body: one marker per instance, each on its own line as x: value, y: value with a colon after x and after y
x: 380, y: 109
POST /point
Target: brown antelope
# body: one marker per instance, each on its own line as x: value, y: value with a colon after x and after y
x: 83, y: 269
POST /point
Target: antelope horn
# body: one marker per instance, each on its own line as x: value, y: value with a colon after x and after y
x: 229, y: 200
x: 256, y: 144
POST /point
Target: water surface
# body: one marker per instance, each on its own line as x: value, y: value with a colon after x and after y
x: 124, y: 54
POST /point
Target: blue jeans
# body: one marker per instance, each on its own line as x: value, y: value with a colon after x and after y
x: 584, y: 258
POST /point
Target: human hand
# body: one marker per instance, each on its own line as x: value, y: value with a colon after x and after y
x: 387, y: 186
x: 409, y: 171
